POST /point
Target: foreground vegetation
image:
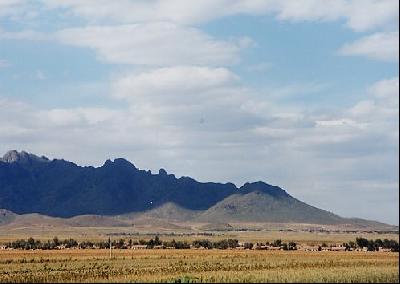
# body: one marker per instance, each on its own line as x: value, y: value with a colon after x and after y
x: 196, y: 266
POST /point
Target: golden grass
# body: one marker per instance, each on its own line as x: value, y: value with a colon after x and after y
x: 197, y: 266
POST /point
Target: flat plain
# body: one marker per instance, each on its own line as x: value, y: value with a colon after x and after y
x: 95, y: 265
x: 191, y: 265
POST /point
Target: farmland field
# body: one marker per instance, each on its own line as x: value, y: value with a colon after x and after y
x: 95, y: 265
x: 8, y: 234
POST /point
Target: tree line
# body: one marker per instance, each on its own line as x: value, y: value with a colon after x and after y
x: 156, y: 242
x: 374, y: 245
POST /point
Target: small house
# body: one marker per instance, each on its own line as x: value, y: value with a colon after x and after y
x: 139, y: 247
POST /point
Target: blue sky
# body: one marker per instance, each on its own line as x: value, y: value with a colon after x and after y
x: 301, y: 94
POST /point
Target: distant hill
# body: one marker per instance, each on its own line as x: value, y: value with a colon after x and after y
x: 58, y: 188
x: 6, y: 217
x: 168, y: 211
x: 263, y: 207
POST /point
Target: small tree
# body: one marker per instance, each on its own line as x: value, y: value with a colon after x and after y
x: 157, y: 241
x: 30, y: 243
x: 121, y: 244
x: 150, y: 244
x: 361, y: 242
x: 56, y: 242
x: 232, y: 243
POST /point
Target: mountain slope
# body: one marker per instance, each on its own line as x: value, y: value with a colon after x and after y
x: 6, y: 217
x: 61, y: 188
x: 257, y: 206
x: 58, y: 188
x: 168, y: 211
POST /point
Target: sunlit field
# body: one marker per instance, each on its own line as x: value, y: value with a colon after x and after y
x: 95, y: 265
x: 102, y: 233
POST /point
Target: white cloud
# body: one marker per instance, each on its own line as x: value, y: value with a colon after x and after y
x: 21, y: 11
x: 366, y: 15
x: 187, y: 114
x: 376, y: 116
x: 140, y: 44
x: 181, y: 12
x: 181, y: 82
x: 121, y: 36
x: 381, y: 46
x: 360, y: 15
x: 311, y: 10
x: 7, y: 6
x: 382, y: 105
x: 241, y: 133
x: 388, y: 88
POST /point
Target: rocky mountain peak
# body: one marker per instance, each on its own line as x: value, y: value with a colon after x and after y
x: 14, y: 156
x: 263, y: 187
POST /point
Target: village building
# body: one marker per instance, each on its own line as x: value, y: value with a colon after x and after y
x: 273, y: 248
x: 381, y: 249
x: 308, y: 248
x: 340, y: 248
x: 139, y: 247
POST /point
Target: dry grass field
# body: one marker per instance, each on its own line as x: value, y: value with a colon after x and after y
x: 102, y: 233
x: 197, y: 266
x: 94, y: 265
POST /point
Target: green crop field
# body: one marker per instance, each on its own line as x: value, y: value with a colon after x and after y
x: 95, y: 265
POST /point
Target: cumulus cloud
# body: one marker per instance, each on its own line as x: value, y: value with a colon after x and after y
x: 9, y: 7
x: 388, y: 88
x: 178, y: 81
x: 186, y: 111
x: 175, y: 11
x: 382, y: 107
x: 380, y: 46
x: 122, y: 37
x: 359, y: 15
x: 187, y: 97
x: 365, y: 15
x: 140, y: 44
x: 373, y: 122
x: 246, y: 136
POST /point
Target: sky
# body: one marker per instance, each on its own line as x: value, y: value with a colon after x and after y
x: 300, y: 94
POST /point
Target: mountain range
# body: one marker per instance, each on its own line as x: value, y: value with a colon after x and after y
x: 59, y: 188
